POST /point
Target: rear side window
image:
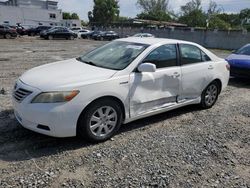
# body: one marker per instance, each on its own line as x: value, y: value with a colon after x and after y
x: 163, y: 56
x: 191, y: 54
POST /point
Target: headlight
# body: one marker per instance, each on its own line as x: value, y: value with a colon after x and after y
x: 55, y: 97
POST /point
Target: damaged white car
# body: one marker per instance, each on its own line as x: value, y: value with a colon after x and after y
x: 120, y: 82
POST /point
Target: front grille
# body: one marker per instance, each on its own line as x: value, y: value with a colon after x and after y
x: 20, y: 94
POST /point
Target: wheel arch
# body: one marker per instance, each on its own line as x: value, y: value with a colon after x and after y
x: 219, y: 82
x: 119, y: 101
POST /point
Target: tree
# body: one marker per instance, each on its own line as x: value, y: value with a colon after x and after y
x: 68, y: 16
x: 216, y: 23
x: 154, y: 10
x: 192, y: 14
x: 214, y: 8
x: 104, y: 11
x: 191, y: 6
x: 74, y: 16
x: 245, y: 14
x: 213, y: 20
x: 232, y: 19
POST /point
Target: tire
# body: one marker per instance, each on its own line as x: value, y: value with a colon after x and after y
x: 50, y: 37
x: 32, y: 34
x: 100, y: 121
x: 71, y: 38
x: 210, y: 95
x: 7, y: 36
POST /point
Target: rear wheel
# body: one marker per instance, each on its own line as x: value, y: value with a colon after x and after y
x: 50, y: 37
x: 7, y: 36
x: 210, y: 95
x: 101, y: 121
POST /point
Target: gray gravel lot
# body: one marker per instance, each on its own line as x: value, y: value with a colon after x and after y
x: 188, y: 147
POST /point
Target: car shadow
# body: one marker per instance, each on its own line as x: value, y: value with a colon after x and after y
x: 19, y: 144
x: 239, y: 82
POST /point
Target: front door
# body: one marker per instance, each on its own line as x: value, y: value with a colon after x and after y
x: 153, y: 91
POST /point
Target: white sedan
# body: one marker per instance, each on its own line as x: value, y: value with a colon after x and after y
x: 120, y: 82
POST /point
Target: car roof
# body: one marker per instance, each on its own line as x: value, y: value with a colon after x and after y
x: 152, y: 41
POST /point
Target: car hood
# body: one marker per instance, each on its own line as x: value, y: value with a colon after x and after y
x: 64, y: 74
x: 238, y: 60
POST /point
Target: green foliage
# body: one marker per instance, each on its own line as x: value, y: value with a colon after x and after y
x: 154, y: 10
x: 192, y: 14
x: 68, y: 16
x: 216, y: 23
x: 190, y: 7
x: 158, y: 16
x: 232, y: 19
x: 83, y: 23
x: 245, y: 14
x: 105, y: 11
x: 74, y: 16
x: 195, y: 18
x: 122, y: 19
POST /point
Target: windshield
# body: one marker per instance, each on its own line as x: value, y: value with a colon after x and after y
x: 115, y: 55
x: 244, y: 50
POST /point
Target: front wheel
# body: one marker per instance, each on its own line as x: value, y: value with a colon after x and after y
x: 7, y: 36
x: 101, y: 121
x: 210, y: 95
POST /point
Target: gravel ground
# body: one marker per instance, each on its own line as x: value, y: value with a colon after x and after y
x: 188, y: 147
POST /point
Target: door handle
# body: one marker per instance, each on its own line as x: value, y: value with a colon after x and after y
x: 176, y: 75
x: 210, y: 67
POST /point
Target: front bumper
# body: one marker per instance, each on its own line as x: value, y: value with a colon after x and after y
x: 239, y: 72
x: 61, y: 118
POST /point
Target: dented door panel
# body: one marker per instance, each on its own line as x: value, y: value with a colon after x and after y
x: 150, y: 91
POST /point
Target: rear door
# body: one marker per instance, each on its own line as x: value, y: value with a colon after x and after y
x: 153, y: 91
x: 197, y: 71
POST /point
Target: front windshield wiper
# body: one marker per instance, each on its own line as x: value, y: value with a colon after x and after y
x: 87, y: 62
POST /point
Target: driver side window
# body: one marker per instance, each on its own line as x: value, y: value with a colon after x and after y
x: 163, y: 56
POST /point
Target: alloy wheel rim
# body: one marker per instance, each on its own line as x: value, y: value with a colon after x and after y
x: 8, y: 36
x: 211, y: 95
x: 103, y: 121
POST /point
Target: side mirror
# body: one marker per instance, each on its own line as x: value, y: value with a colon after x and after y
x: 147, y: 67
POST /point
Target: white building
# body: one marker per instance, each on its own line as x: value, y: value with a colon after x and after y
x: 30, y: 12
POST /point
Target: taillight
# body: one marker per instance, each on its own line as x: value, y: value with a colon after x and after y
x: 228, y: 67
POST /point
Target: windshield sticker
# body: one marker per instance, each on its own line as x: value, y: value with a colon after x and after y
x: 135, y: 47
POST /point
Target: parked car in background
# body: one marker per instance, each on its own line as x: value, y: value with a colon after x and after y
x: 108, y: 35
x: 76, y: 29
x: 120, y: 82
x: 52, y: 28
x: 142, y: 35
x: 83, y: 31
x: 36, y: 30
x: 240, y: 62
x: 58, y: 33
x: 7, y: 32
x: 95, y: 34
x: 85, y: 34
x: 21, y: 30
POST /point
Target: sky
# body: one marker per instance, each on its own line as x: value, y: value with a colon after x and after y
x: 130, y: 9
